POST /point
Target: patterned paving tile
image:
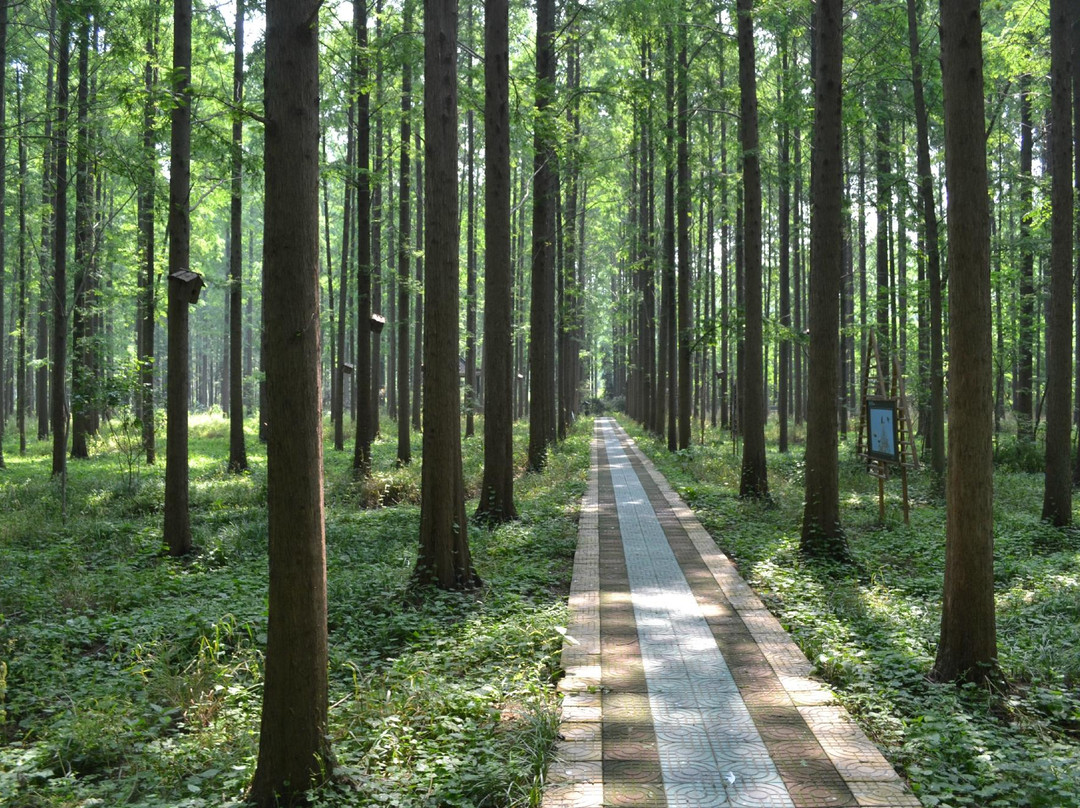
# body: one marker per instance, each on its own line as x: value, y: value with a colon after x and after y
x: 575, y: 771
x: 681, y: 689
x: 575, y: 795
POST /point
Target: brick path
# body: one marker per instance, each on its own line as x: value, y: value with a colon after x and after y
x: 681, y: 689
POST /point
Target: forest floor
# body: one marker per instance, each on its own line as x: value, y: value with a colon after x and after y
x: 127, y: 678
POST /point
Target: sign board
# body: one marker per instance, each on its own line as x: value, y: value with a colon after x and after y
x: 884, y: 442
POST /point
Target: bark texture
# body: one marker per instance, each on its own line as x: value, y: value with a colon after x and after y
x: 364, y: 397
x: 58, y: 384
x: 968, y: 645
x: 444, y: 558
x: 237, y: 448
x: 1057, y: 495
x: 542, y: 420
x: 754, y: 482
x: 822, y: 534
x: 294, y: 753
x: 497, y: 488
x: 177, y: 517
x: 936, y: 438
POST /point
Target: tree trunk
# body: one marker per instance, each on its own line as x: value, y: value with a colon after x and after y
x: 237, y: 449
x: 177, y: 518
x: 542, y: 419
x: 497, y: 489
x: 655, y: 379
x: 59, y: 294
x: 147, y: 295
x: 933, y: 252
x: 570, y: 294
x: 685, y: 309
x: 1076, y: 191
x: 365, y: 397
x: 822, y: 534
x: 1025, y: 370
x: 444, y: 558
x: 521, y: 378
x: 668, y: 294
x: 968, y: 645
x: 335, y: 360
x: 784, y: 213
x: 337, y: 354
x: 799, y: 295
x: 470, y: 248
x: 404, y: 445
x: 1057, y: 497
x: 82, y: 318
x: 294, y: 753
x: 24, y: 385
x: 378, y: 376
x: 883, y: 210
x: 418, y: 307
x: 754, y: 481
x: 3, y: 185
x: 48, y: 183
x: 725, y: 264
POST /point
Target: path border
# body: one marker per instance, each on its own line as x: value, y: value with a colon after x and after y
x: 572, y: 780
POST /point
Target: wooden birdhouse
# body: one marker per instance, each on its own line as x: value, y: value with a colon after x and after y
x: 377, y: 323
x: 189, y: 284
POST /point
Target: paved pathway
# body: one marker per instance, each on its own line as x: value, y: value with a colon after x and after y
x: 681, y: 689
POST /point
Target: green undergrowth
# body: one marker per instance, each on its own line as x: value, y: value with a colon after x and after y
x: 871, y: 628
x: 128, y: 678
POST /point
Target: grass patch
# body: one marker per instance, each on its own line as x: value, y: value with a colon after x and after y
x: 871, y: 629
x: 128, y: 678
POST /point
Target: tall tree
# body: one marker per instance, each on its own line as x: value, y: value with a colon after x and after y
x: 364, y: 398
x: 883, y: 211
x: 294, y: 751
x: 337, y: 341
x: 754, y: 482
x: 822, y: 534
x: 237, y: 449
x: 42, y: 393
x: 542, y: 416
x: 177, y: 517
x: 470, y: 242
x: 3, y: 187
x: 685, y: 310
x: 418, y: 300
x: 1057, y: 494
x: 968, y: 646
x: 58, y: 387
x: 82, y: 317
x: 1025, y: 370
x: 444, y: 558
x: 497, y: 488
x: 24, y: 385
x: 569, y: 288
x: 784, y: 214
x: 146, y: 196
x: 669, y: 386
x: 377, y: 374
x: 1076, y: 191
x: 404, y: 248
x: 933, y: 251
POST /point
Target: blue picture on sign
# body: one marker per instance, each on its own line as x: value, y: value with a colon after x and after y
x: 881, y: 418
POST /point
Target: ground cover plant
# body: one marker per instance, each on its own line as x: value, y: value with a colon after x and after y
x: 871, y: 628
x: 127, y: 678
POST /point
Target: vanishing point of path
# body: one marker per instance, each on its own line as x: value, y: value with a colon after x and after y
x: 681, y: 689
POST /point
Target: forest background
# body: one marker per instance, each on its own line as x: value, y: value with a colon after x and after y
x: 106, y: 684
